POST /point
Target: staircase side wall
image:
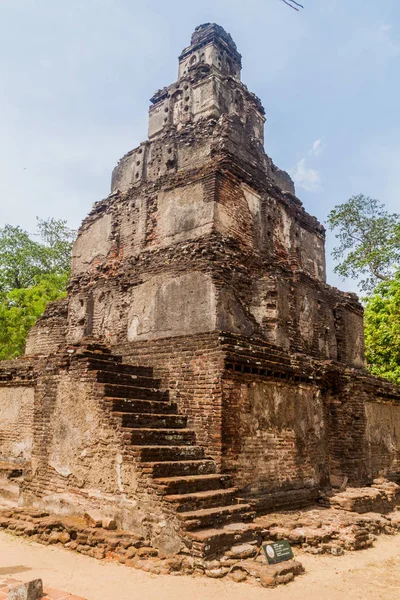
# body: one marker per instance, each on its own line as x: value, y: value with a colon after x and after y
x: 79, y: 460
x: 76, y: 445
x: 56, y: 425
x: 191, y: 369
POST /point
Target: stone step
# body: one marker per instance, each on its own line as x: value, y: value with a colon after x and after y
x: 127, y: 379
x: 98, y: 364
x: 197, y: 500
x: 96, y: 353
x: 166, y: 453
x: 193, y: 483
x: 211, y: 517
x: 211, y: 543
x: 136, y: 393
x: 152, y: 420
x: 128, y: 405
x: 159, y: 437
x: 284, y: 500
x: 182, y: 467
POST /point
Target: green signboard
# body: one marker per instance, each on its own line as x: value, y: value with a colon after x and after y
x: 278, y: 552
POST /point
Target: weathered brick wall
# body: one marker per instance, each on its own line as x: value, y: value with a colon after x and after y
x: 77, y: 456
x: 363, y: 427
x: 270, y: 434
x: 274, y: 434
x: 16, y: 423
x: 346, y: 427
x: 383, y: 438
x: 48, y: 334
x: 207, y: 252
x: 81, y: 459
x: 17, y: 383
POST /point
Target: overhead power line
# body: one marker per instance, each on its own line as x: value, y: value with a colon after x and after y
x: 293, y: 4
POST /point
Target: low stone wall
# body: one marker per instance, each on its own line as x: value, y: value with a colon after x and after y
x: 329, y: 531
x: 363, y: 424
x: 17, y: 394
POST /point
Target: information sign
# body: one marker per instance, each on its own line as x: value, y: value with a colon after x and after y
x: 278, y: 552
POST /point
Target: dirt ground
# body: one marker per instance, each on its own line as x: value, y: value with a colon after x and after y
x: 363, y: 575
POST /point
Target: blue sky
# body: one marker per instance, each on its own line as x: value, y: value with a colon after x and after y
x: 76, y: 77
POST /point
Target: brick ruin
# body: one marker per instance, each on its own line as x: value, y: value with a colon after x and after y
x: 201, y: 371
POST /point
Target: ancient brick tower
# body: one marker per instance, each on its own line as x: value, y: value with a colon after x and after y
x: 203, y: 271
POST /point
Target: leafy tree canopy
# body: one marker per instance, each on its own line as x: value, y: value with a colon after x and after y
x: 21, y: 307
x: 382, y: 330
x: 369, y: 241
x: 33, y: 272
x: 24, y: 261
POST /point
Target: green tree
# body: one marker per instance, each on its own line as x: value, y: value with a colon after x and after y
x: 369, y: 241
x: 56, y: 247
x: 19, y: 258
x: 24, y: 260
x: 369, y: 251
x: 382, y: 330
x: 33, y: 272
x: 21, y: 307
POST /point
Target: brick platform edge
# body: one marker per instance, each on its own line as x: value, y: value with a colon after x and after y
x: 242, y: 563
x: 317, y: 530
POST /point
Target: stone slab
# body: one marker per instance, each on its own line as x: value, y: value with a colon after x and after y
x: 32, y: 590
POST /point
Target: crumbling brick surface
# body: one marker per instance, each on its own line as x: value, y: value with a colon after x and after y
x: 48, y: 334
x: 17, y: 381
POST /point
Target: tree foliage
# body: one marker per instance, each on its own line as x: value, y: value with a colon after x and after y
x: 21, y: 307
x: 23, y: 260
x: 369, y: 251
x: 382, y: 330
x: 369, y: 241
x: 33, y: 272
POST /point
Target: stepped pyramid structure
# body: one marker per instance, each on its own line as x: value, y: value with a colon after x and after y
x: 201, y: 371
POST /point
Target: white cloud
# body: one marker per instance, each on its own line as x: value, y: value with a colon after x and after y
x: 306, y: 177
x: 385, y: 39
x: 384, y: 28
x: 317, y: 148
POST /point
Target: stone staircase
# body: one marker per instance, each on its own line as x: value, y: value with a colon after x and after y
x: 157, y: 436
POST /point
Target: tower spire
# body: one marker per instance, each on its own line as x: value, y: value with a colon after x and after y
x: 211, y: 45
